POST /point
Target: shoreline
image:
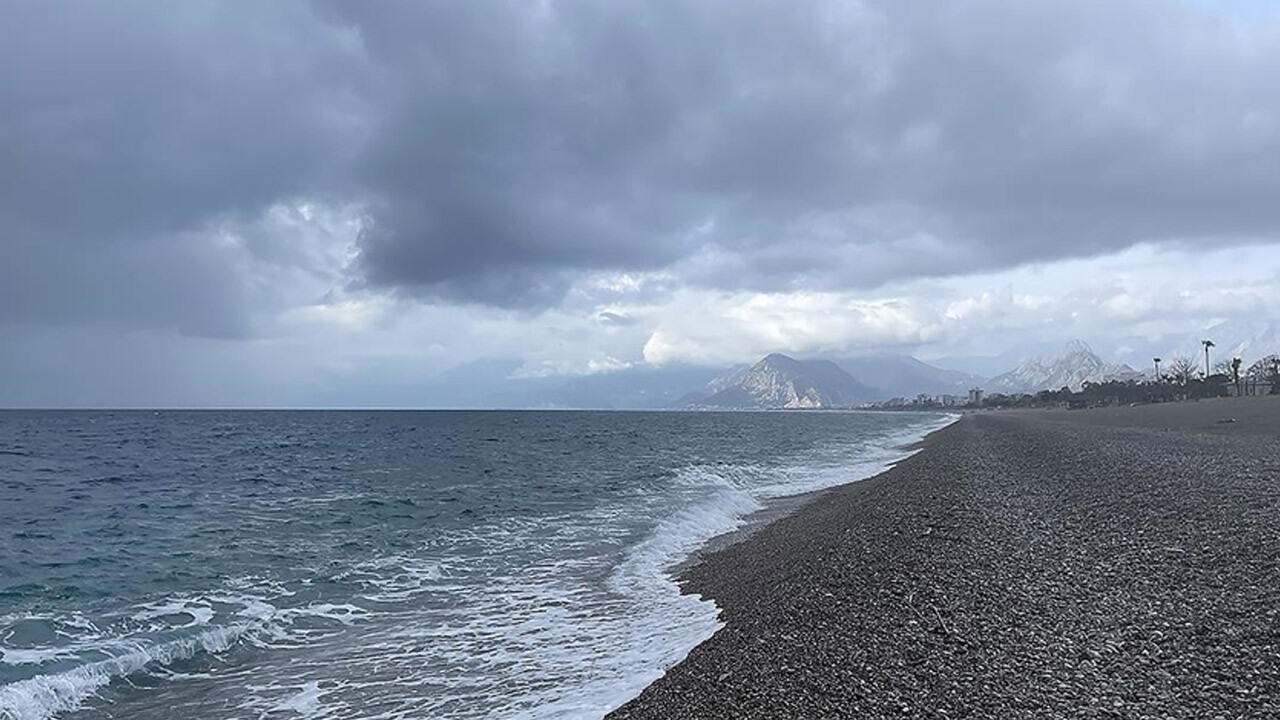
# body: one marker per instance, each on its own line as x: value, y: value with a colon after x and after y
x: 783, y: 506
x: 1100, y: 563
x: 773, y: 511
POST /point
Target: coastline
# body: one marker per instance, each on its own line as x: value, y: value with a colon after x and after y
x: 1115, y: 562
x: 782, y: 506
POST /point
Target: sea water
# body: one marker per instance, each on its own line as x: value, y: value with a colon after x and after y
x: 264, y: 564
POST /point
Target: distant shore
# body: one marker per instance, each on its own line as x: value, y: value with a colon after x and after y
x: 1116, y: 562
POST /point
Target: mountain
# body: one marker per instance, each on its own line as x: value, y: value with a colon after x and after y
x: 1244, y: 340
x: 991, y: 365
x: 1076, y: 364
x: 778, y: 381
x: 904, y: 376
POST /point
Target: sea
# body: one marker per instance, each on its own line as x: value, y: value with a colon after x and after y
x: 380, y: 564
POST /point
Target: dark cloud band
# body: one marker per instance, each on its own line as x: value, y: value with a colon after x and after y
x: 502, y: 148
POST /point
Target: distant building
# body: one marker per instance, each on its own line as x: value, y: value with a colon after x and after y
x: 975, y: 396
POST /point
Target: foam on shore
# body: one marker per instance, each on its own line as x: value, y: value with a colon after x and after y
x: 1021, y: 565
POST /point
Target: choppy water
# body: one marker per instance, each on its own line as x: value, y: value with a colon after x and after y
x: 378, y: 564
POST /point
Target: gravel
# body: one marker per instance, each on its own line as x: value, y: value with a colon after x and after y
x: 1038, y: 565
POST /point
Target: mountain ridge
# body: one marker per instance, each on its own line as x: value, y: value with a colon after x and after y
x: 779, y: 381
x: 1075, y: 365
x: 907, y: 376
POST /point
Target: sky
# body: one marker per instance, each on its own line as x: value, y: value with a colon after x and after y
x: 348, y: 203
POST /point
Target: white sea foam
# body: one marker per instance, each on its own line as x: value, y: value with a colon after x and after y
x: 683, y: 621
x: 397, y: 578
x: 526, y: 617
x: 344, y: 613
x: 306, y: 703
x: 573, y: 652
x: 43, y: 696
x: 33, y: 656
x: 537, y: 644
x: 198, y: 610
x: 255, y: 620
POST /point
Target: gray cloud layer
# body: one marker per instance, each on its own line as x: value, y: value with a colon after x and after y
x: 500, y: 148
x: 129, y: 126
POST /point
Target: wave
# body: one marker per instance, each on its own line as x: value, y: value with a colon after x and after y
x: 562, y: 615
x: 739, y: 491
x: 261, y: 623
x: 736, y: 493
x: 44, y: 696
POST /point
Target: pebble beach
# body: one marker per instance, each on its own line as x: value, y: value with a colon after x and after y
x: 1110, y: 563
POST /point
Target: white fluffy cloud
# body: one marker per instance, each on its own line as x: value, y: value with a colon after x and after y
x: 333, y: 347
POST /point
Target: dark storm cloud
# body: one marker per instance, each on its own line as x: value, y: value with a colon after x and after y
x: 534, y: 140
x: 127, y: 126
x: 522, y: 145
x: 501, y: 148
x: 823, y: 144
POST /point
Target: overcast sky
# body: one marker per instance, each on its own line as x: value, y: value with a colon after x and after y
x: 287, y: 203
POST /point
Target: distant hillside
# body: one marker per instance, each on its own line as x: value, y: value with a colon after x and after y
x: 1071, y: 368
x: 989, y: 366
x: 778, y: 381
x: 904, y: 376
x: 1248, y: 341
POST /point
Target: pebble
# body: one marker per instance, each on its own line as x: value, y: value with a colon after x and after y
x: 1017, y: 567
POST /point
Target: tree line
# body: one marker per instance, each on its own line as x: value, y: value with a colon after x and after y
x: 1181, y: 379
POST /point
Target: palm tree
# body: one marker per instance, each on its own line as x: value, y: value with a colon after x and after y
x: 1235, y: 373
x: 1207, y: 344
x: 1157, y: 368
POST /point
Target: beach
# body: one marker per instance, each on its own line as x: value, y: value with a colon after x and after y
x: 1107, y: 563
x: 215, y: 564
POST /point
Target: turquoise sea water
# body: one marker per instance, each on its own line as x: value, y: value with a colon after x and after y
x: 264, y: 564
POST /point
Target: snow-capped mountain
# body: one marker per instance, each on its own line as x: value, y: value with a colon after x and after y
x: 1246, y: 341
x: 1071, y: 368
x: 778, y: 381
